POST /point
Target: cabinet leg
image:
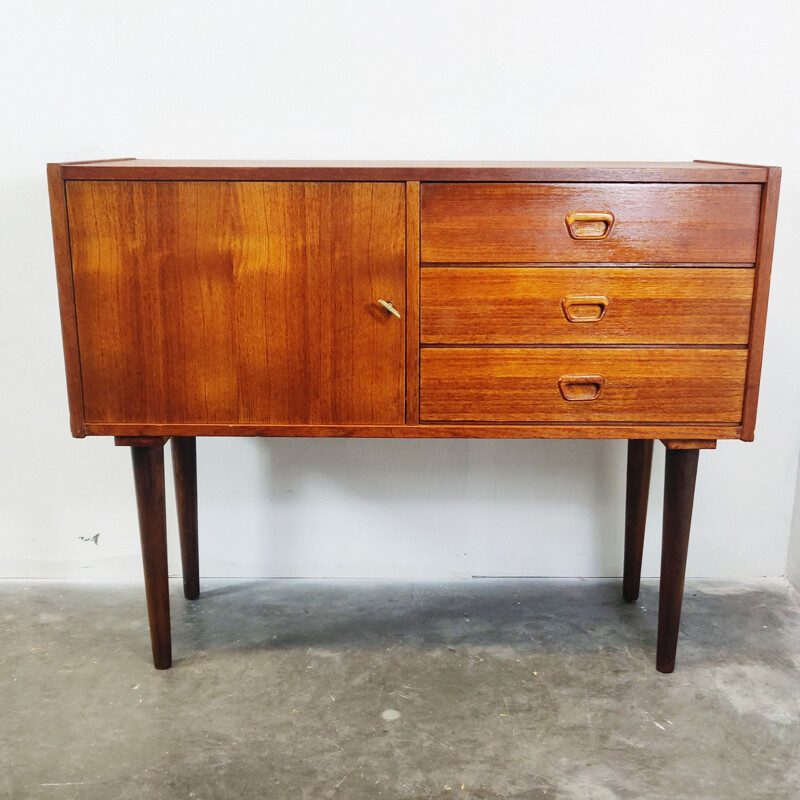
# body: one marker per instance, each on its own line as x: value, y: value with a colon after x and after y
x: 148, y: 473
x: 184, y: 470
x: 679, y: 482
x: 640, y: 462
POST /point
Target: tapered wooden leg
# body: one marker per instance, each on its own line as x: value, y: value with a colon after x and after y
x: 148, y: 472
x: 679, y: 481
x: 184, y: 470
x: 640, y: 462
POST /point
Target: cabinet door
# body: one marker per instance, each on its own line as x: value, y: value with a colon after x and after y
x: 239, y: 302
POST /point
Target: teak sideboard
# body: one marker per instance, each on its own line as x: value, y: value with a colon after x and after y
x: 483, y: 300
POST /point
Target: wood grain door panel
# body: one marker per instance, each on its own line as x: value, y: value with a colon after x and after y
x: 565, y: 305
x: 239, y: 302
x: 576, y: 384
x: 527, y: 222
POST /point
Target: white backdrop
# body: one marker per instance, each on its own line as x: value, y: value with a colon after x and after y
x: 482, y: 79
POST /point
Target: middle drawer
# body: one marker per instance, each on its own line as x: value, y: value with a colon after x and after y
x: 585, y: 305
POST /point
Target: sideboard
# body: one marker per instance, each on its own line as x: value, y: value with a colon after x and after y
x: 483, y: 300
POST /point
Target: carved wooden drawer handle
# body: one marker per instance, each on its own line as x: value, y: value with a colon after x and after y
x: 589, y: 224
x: 581, y: 308
x: 581, y: 387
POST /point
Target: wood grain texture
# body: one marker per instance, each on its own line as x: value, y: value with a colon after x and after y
x: 216, y: 382
x: 689, y: 444
x: 240, y: 302
x: 148, y: 472
x: 518, y: 222
x: 94, y: 161
x: 242, y: 299
x: 139, y: 440
x: 679, y: 483
x: 184, y: 471
x: 726, y: 164
x: 640, y: 385
x: 516, y: 305
x: 637, y: 492
x: 552, y: 171
x: 66, y: 299
x: 412, y: 303
x: 766, y: 245
x: 551, y: 430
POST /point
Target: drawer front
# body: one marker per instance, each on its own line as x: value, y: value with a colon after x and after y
x: 589, y: 223
x: 542, y: 384
x: 565, y: 305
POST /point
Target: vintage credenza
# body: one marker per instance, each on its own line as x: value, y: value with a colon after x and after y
x: 487, y: 300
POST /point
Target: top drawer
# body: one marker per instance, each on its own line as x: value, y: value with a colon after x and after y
x: 652, y: 223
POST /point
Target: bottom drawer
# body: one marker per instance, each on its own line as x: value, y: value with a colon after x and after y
x: 581, y: 384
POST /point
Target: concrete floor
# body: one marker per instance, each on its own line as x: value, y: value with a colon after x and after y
x: 476, y: 689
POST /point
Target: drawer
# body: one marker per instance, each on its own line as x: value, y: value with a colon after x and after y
x: 568, y: 305
x: 577, y: 384
x: 589, y: 223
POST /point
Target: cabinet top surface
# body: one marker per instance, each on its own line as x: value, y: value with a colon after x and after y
x: 560, y: 171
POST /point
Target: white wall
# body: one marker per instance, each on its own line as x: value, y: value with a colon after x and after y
x: 793, y: 558
x: 370, y: 80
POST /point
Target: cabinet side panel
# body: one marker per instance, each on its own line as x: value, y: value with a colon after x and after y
x: 766, y: 244
x: 229, y: 302
x: 66, y: 299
